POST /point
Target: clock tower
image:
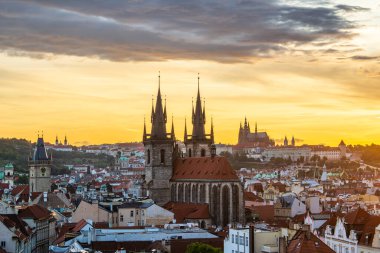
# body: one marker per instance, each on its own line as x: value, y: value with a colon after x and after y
x: 39, y: 168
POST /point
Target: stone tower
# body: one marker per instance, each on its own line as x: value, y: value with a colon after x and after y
x: 39, y: 168
x: 199, y: 143
x: 159, y: 150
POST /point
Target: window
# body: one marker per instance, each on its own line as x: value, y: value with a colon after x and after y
x: 121, y: 218
x: 142, y: 212
x: 203, y: 152
x: 148, y: 154
x: 233, y: 237
x: 189, y: 152
x: 132, y: 213
x: 162, y: 154
x: 241, y: 240
x: 246, y: 241
x: 3, y: 244
x: 137, y: 212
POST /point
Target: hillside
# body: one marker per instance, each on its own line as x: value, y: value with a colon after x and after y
x: 17, y: 152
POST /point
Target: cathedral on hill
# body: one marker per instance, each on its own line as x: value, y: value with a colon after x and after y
x: 199, y: 176
x: 248, y: 139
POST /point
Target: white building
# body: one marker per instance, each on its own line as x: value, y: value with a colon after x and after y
x: 285, y: 152
x: 338, y: 241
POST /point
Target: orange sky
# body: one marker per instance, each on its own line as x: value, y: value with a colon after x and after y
x: 318, y: 93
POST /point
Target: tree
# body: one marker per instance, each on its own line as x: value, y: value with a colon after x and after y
x: 23, y: 179
x: 53, y: 187
x: 199, y: 247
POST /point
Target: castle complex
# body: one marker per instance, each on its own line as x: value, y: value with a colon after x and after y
x: 199, y: 176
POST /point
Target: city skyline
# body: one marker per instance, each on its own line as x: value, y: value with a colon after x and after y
x: 315, y: 79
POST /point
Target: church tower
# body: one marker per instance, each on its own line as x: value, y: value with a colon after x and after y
x: 159, y: 149
x: 39, y: 168
x: 199, y: 143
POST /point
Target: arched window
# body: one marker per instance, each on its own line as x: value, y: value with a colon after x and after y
x: 148, y: 154
x: 162, y: 154
x: 189, y: 152
x: 203, y: 152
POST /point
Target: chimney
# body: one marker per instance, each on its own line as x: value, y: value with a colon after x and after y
x: 282, y: 244
x: 252, y: 239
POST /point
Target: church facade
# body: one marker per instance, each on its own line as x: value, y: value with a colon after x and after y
x: 198, y: 176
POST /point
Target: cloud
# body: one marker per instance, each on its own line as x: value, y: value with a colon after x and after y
x: 118, y: 30
x: 350, y: 8
x: 364, y: 57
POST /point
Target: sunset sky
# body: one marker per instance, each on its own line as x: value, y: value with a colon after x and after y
x: 308, y: 68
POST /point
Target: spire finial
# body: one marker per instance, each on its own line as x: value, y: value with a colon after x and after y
x: 159, y: 79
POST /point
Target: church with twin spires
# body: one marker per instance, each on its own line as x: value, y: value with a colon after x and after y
x: 198, y: 176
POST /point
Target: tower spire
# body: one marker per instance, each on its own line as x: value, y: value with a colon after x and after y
x: 185, y: 135
x: 144, y: 134
x: 159, y: 116
x: 198, y: 118
x: 212, y: 130
x: 256, y: 127
x: 172, y: 131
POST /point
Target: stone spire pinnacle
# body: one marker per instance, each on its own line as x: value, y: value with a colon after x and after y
x: 144, y: 134
x: 212, y: 130
x: 185, y: 135
x: 172, y: 130
x: 159, y: 118
x: 198, y: 118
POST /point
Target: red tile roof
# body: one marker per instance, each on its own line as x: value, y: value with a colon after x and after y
x: 357, y: 217
x: 250, y: 196
x: 217, y: 168
x: 307, y: 242
x: 35, y: 212
x: 183, y: 211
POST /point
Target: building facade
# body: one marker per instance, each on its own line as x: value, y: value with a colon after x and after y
x: 198, y: 176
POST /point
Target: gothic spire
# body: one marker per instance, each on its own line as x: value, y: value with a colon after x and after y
x: 185, y: 135
x: 159, y: 116
x: 212, y: 130
x: 198, y: 118
x: 144, y: 134
x: 172, y: 131
x: 256, y: 127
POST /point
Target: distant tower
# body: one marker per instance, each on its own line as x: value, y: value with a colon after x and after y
x: 65, y: 142
x: 343, y: 149
x: 286, y: 143
x: 39, y: 168
x: 56, y: 140
x: 9, y: 174
x: 199, y: 143
x: 293, y: 141
x: 159, y: 148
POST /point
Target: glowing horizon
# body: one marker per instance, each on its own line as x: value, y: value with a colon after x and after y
x: 90, y: 73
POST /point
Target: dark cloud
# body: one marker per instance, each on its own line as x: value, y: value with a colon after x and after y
x: 350, y: 8
x: 364, y: 57
x: 118, y: 30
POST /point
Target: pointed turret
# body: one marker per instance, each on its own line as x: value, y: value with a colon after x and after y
x: 293, y: 141
x: 245, y: 123
x: 212, y: 131
x: 144, y: 134
x: 56, y: 140
x: 185, y: 134
x: 159, y: 117
x: 198, y: 118
x: 256, y: 128
x: 40, y: 153
x: 65, y: 142
x: 172, y: 130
